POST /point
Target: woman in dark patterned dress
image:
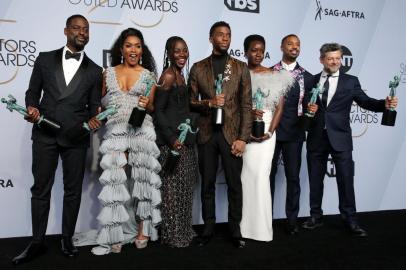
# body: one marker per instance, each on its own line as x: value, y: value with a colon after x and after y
x: 172, y: 109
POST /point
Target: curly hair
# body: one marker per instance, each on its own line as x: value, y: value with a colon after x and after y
x: 148, y: 61
x: 169, y: 47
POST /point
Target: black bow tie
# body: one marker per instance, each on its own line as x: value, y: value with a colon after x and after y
x: 69, y: 55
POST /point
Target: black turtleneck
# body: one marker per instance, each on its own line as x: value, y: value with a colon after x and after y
x: 218, y: 63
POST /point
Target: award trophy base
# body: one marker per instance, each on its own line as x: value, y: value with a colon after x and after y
x: 306, y: 122
x: 171, y: 162
x: 218, y: 116
x: 388, y: 118
x: 258, y: 128
x: 137, y: 117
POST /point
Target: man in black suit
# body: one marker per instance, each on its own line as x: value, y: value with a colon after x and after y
x: 331, y: 134
x: 289, y: 136
x: 70, y: 86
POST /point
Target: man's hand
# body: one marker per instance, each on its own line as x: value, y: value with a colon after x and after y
x: 143, y: 101
x: 95, y: 123
x: 391, y: 102
x: 312, y: 107
x: 33, y: 114
x: 217, y: 101
x: 237, y: 148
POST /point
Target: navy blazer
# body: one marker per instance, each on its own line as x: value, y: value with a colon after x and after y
x: 336, y: 116
x: 69, y: 105
x: 288, y: 129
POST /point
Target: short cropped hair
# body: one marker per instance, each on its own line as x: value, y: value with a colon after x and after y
x: 70, y: 19
x: 330, y: 47
x: 251, y: 38
x: 288, y: 36
x: 218, y: 24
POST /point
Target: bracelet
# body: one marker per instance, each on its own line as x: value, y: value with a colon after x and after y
x: 270, y: 134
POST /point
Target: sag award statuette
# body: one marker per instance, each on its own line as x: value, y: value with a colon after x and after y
x: 389, y: 115
x: 218, y: 115
x: 138, y: 114
x: 307, y: 120
x: 174, y: 155
x: 83, y: 129
x: 258, y: 126
x: 12, y: 105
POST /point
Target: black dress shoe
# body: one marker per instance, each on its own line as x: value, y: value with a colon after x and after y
x: 67, y: 247
x: 292, y: 229
x: 312, y: 223
x: 238, y: 242
x: 356, y: 230
x: 31, y: 252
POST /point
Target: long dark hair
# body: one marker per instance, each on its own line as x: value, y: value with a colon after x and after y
x: 169, y: 47
x: 148, y: 61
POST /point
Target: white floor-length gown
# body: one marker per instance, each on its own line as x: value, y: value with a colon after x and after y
x: 256, y: 220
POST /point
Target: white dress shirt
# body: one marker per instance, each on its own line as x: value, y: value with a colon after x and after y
x: 333, y: 80
x: 70, y: 66
x: 288, y: 67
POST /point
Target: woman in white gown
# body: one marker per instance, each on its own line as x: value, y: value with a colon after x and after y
x: 269, y: 86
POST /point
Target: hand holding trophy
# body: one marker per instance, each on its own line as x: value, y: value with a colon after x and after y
x: 258, y: 126
x: 138, y: 114
x: 174, y: 155
x: 83, y: 129
x: 13, y: 106
x: 307, y: 120
x: 389, y: 115
x: 218, y: 115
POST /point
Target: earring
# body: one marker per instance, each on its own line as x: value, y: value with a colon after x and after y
x: 121, y: 59
x: 141, y: 60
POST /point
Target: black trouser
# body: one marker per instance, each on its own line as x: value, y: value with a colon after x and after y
x: 208, y: 163
x: 317, y: 166
x: 44, y: 164
x: 292, y: 160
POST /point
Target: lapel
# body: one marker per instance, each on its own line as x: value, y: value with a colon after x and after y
x: 59, y: 76
x: 210, y: 77
x: 317, y: 80
x: 76, y: 80
x: 226, y: 84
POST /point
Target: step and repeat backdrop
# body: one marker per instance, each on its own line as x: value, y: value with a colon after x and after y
x: 373, y: 33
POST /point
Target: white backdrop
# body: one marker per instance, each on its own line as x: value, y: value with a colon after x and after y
x: 372, y: 30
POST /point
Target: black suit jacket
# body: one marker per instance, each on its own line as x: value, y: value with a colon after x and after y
x: 288, y: 129
x: 69, y: 105
x: 336, y: 117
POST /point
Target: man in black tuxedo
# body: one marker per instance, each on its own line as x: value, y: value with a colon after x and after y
x: 70, y: 86
x: 331, y: 134
x: 289, y: 136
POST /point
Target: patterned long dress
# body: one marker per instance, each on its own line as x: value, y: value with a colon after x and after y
x: 127, y: 200
x: 172, y: 106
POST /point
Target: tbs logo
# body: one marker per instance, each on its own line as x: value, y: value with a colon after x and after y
x: 243, y: 5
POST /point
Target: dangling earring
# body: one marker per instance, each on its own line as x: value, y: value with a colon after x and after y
x: 141, y: 60
x: 121, y: 61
